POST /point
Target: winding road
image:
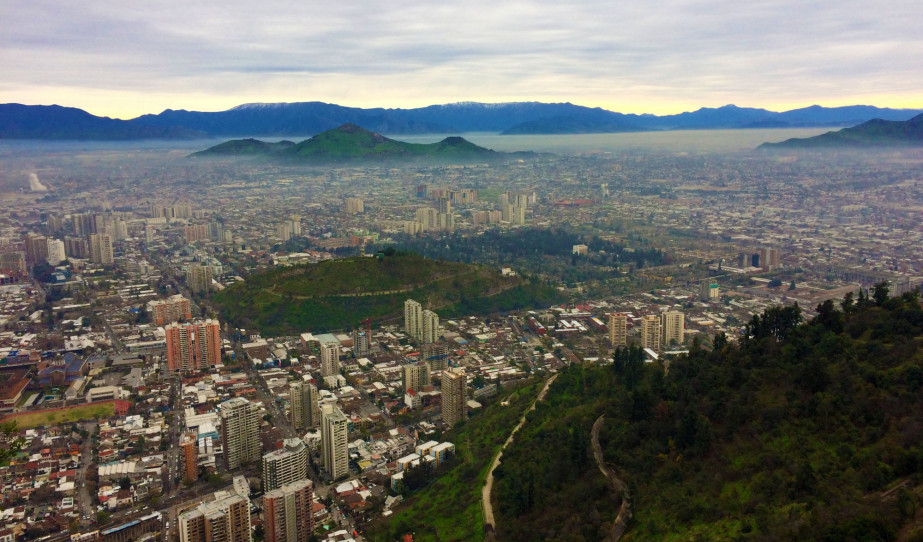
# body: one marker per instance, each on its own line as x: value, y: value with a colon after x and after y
x: 618, y: 486
x: 489, y: 484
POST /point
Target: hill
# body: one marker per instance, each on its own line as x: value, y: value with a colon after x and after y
x: 876, y: 133
x: 351, y: 143
x: 310, y: 118
x: 336, y: 294
x: 807, y: 431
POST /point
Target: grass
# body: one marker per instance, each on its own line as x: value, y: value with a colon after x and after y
x: 66, y: 415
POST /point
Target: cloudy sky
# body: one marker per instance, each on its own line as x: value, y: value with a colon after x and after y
x: 123, y: 59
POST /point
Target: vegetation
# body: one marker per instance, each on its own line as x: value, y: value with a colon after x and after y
x: 449, y: 509
x: 807, y: 431
x: 548, y: 251
x: 338, y: 293
x: 41, y: 418
x: 871, y: 134
x: 350, y: 143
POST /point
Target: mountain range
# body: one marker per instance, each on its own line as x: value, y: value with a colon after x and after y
x: 349, y: 144
x: 875, y: 133
x: 309, y: 118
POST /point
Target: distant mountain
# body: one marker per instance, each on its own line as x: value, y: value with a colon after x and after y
x: 310, y: 118
x: 875, y: 133
x: 351, y: 143
x: 19, y: 121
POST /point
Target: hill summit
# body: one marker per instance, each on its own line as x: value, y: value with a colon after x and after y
x: 352, y: 143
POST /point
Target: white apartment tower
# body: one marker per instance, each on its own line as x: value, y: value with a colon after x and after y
x: 329, y: 359
x: 413, y: 318
x: 618, y: 329
x: 454, y: 399
x: 286, y: 465
x: 240, y: 431
x: 334, y: 450
x: 305, y: 413
x: 430, y: 331
x: 673, y: 327
x: 650, y: 332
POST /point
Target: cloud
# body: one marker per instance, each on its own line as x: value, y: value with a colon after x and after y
x: 415, y: 52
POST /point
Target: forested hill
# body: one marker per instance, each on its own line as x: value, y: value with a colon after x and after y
x: 802, y: 431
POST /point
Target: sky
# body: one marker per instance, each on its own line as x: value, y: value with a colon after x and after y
x: 123, y: 59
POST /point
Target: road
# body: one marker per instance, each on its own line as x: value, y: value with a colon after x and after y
x: 84, y: 499
x: 488, y: 486
x: 618, y: 486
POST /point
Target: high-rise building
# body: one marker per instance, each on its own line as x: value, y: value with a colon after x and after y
x: 708, y: 291
x: 650, y: 332
x: 199, y: 278
x: 413, y: 318
x: 334, y: 447
x: 361, y: 343
x: 84, y: 224
x: 305, y: 413
x: 454, y: 398
x: 329, y: 359
x: 13, y: 263
x: 189, y: 456
x: 197, y: 232
x: 284, y: 231
x: 430, y: 331
x: 76, y: 247
x: 226, y: 518
x: 618, y: 329
x: 288, y: 512
x: 426, y: 217
x: 240, y: 431
x: 355, y: 206
x: 673, y: 327
x: 36, y: 248
x: 294, y: 225
x: 414, y: 376
x: 100, y: 245
x: 169, y: 310
x: 769, y: 259
x: 193, y: 346
x: 55, y: 250
x: 286, y: 465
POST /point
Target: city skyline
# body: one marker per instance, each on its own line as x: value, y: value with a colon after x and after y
x: 661, y: 59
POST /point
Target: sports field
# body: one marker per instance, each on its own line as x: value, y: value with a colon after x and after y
x: 63, y: 415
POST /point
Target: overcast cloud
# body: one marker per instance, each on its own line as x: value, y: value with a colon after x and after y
x: 127, y: 58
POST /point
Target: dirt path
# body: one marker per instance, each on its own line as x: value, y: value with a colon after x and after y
x: 618, y: 486
x: 488, y: 486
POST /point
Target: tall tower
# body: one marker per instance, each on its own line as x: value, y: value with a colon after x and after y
x: 673, y: 327
x: 288, y: 512
x: 100, y: 245
x: 334, y: 450
x: 304, y: 405
x: 618, y: 329
x: 193, y: 346
x: 430, y: 331
x: 329, y: 359
x: 454, y: 399
x: 650, y: 332
x: 286, y: 465
x: 414, y: 376
x: 240, y: 431
x: 190, y: 456
x: 413, y: 318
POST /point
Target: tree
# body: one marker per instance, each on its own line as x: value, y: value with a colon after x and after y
x: 881, y: 292
x: 13, y: 445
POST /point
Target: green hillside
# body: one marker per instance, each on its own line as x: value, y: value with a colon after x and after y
x: 351, y: 143
x: 803, y: 431
x: 449, y: 508
x: 244, y: 147
x: 875, y: 133
x: 339, y: 293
